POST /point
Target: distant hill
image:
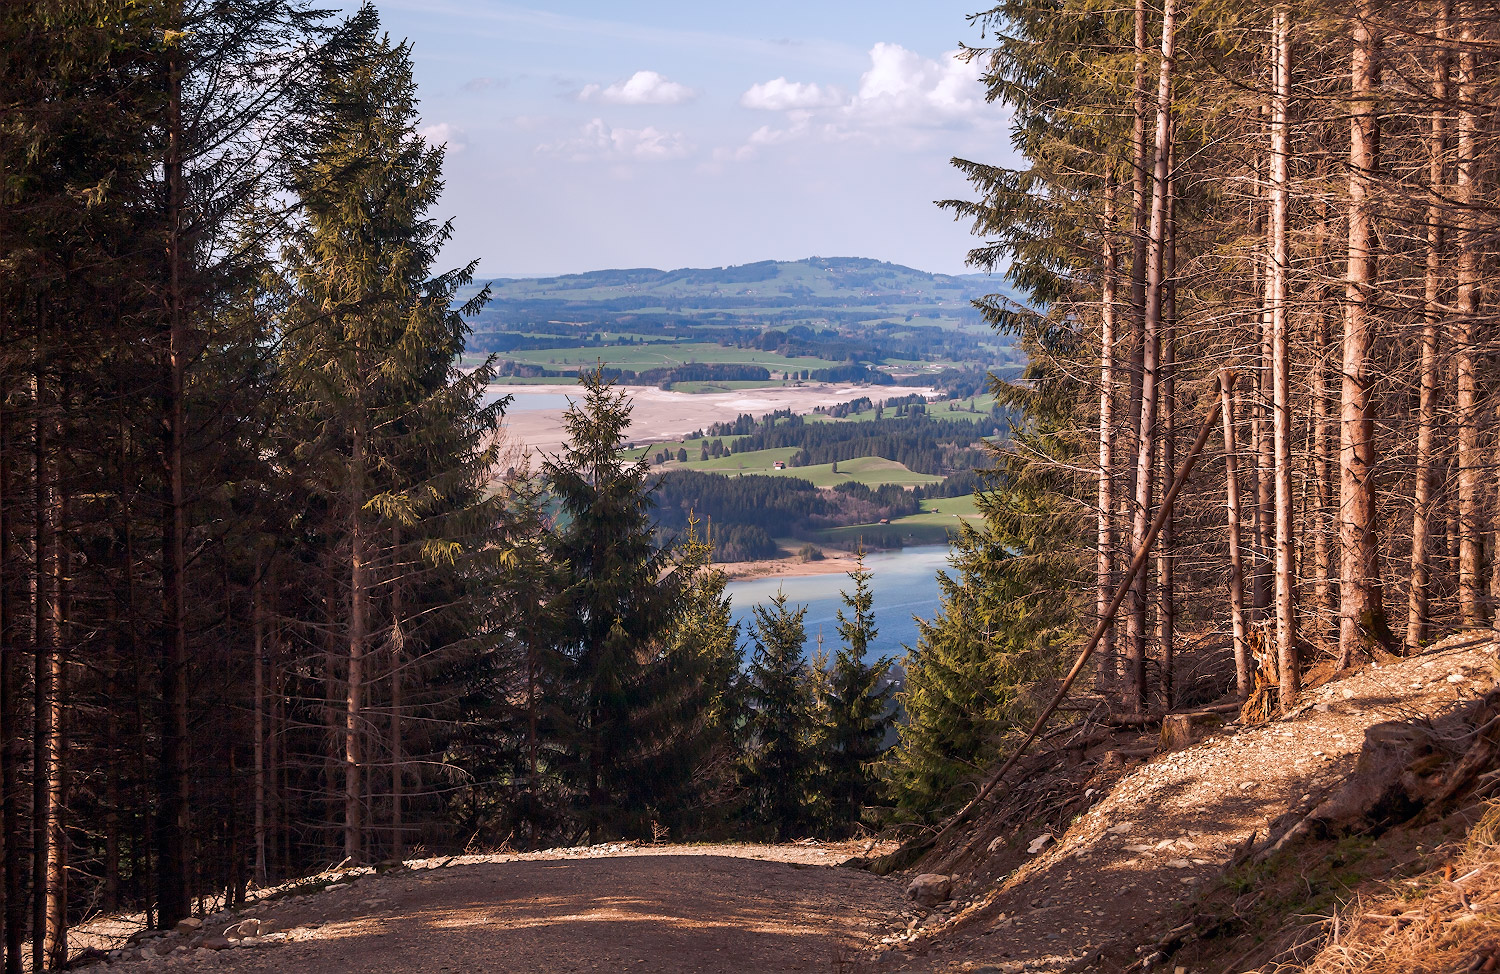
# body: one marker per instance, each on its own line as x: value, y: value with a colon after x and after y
x: 848, y: 279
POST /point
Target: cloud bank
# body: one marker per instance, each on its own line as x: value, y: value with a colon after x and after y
x: 641, y: 88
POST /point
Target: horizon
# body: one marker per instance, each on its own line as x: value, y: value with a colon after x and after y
x: 670, y: 135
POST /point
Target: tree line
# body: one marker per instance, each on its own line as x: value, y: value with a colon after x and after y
x: 263, y: 603
x: 1274, y: 218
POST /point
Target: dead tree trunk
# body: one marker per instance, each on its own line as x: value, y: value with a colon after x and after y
x: 1361, y: 608
x: 1105, y: 569
x: 1470, y: 457
x: 1166, y: 574
x: 1146, y: 454
x: 1236, y: 556
x: 1432, y: 329
x: 1276, y: 269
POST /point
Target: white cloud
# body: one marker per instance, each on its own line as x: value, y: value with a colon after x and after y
x: 779, y: 95
x: 641, y: 88
x: 443, y: 134
x: 903, y: 88
x: 599, y: 140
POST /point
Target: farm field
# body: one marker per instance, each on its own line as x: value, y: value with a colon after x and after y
x: 870, y: 471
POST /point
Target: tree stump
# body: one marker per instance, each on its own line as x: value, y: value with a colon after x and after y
x: 1183, y: 730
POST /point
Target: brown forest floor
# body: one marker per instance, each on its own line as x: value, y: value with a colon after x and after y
x: 1131, y: 853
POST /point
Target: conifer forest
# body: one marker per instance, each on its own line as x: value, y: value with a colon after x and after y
x: 274, y: 594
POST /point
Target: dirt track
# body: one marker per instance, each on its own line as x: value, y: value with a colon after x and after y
x: 693, y: 909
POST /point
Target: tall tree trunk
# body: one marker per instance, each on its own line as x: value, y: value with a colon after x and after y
x: 1105, y: 572
x: 1236, y: 557
x: 258, y: 628
x: 1417, y: 610
x: 1166, y: 562
x: 56, y: 767
x: 1322, y: 570
x: 1361, y: 608
x: 358, y: 627
x: 1146, y: 454
x: 1140, y: 171
x: 11, y: 739
x: 1471, y: 461
x: 1276, y: 267
x: 173, y: 894
x: 398, y: 662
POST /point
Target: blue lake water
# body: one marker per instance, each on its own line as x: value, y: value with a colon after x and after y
x: 904, y: 583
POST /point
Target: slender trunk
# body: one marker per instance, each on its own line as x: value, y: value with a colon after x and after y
x: 258, y: 629
x: 10, y: 713
x: 1265, y: 451
x: 398, y: 661
x: 57, y: 795
x: 1146, y: 453
x: 173, y: 881
x: 43, y: 649
x: 358, y: 623
x: 1286, y: 567
x: 1432, y: 327
x: 1322, y: 483
x: 1361, y: 608
x: 1140, y: 169
x: 1471, y: 461
x: 1166, y: 617
x: 1236, y: 558
x: 1105, y: 583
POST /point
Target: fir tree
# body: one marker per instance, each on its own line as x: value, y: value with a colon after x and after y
x: 619, y: 597
x: 779, y: 761
x: 858, y: 703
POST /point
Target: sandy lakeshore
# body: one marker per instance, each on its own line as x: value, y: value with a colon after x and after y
x: 832, y: 563
x: 660, y: 415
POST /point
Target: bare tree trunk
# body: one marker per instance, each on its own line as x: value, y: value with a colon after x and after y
x: 1146, y: 454
x: 1361, y: 608
x: 258, y: 627
x: 173, y: 865
x: 1470, y: 458
x: 1105, y: 580
x: 1166, y: 561
x: 56, y: 745
x: 1432, y: 327
x: 398, y: 661
x: 1322, y: 482
x: 358, y: 627
x: 11, y: 739
x: 1140, y: 169
x: 43, y: 649
x: 1236, y: 557
x: 1288, y: 661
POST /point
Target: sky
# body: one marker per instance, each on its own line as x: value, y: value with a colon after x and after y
x: 664, y: 133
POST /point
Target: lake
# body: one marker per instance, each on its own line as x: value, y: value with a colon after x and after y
x: 904, y: 583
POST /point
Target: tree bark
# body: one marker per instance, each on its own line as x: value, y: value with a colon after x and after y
x: 1361, y: 608
x: 1105, y: 571
x: 1417, y: 608
x: 1236, y: 558
x: 358, y: 627
x: 1166, y: 560
x: 174, y: 896
x: 258, y: 728
x: 1146, y: 453
x: 1288, y: 660
x: 1470, y: 457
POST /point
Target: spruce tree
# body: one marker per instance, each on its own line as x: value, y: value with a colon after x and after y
x: 858, y: 702
x: 779, y: 761
x: 618, y: 599
x: 391, y: 433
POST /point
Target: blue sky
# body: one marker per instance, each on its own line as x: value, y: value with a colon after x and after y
x: 587, y: 135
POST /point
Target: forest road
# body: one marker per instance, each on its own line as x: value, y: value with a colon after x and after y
x: 732, y: 908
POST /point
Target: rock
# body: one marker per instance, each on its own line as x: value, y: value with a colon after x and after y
x: 1038, y: 844
x: 930, y: 889
x: 217, y: 943
x: 188, y: 925
x: 1178, y: 864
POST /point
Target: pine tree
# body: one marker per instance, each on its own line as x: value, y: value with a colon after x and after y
x: 779, y: 760
x: 857, y: 698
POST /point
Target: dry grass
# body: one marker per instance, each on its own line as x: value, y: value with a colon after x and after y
x: 1441, y: 922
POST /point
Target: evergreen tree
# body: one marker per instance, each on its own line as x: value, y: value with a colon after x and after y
x: 858, y: 703
x: 1003, y: 627
x: 391, y: 432
x: 780, y: 761
x: 619, y: 596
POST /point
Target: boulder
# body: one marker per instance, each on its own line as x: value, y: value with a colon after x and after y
x: 188, y: 925
x: 930, y: 889
x: 217, y: 943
